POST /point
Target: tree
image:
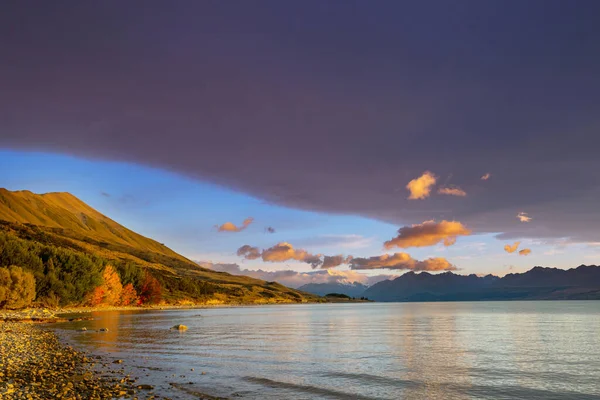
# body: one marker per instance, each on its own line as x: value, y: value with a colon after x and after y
x: 17, y: 287
x: 129, y: 296
x: 151, y: 290
x: 109, y: 293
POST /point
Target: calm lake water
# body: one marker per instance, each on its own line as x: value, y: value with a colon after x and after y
x: 479, y: 350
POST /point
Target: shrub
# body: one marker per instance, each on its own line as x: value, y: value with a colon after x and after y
x: 17, y: 288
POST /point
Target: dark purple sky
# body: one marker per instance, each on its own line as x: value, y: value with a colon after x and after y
x: 325, y: 105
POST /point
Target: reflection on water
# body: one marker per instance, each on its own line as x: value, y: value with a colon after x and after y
x: 509, y: 350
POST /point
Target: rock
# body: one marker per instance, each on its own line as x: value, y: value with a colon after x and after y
x: 118, y: 362
x: 180, y: 327
x: 103, y: 330
x: 83, y: 329
x: 145, y: 387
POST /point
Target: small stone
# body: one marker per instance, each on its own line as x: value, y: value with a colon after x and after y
x: 118, y: 362
x: 179, y: 327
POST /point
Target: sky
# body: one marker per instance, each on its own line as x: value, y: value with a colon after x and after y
x: 441, y: 131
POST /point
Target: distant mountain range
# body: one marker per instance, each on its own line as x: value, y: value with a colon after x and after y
x: 351, y: 289
x: 581, y: 283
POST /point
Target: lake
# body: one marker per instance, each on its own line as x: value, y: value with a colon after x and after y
x: 459, y: 350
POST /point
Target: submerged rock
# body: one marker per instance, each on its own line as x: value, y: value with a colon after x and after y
x: 179, y: 327
x: 145, y: 387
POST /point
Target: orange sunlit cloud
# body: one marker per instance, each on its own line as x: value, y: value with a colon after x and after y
x: 401, y: 261
x: 231, y: 227
x: 524, y: 252
x: 285, y: 252
x: 486, y: 176
x: 523, y: 217
x: 429, y: 233
x: 511, y: 249
x: 420, y: 187
x: 452, y: 191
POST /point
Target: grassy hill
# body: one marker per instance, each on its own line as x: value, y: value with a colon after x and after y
x: 67, y: 245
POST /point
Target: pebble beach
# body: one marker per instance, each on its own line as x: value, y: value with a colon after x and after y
x: 35, y: 365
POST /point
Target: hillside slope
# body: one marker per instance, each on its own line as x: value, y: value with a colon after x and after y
x: 63, y: 211
x: 67, y: 244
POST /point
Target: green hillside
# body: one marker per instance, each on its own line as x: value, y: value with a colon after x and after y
x: 68, y: 245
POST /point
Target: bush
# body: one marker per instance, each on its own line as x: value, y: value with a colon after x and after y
x: 17, y: 288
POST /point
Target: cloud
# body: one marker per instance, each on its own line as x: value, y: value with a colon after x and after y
x: 249, y: 252
x: 296, y: 279
x: 335, y: 261
x: 105, y: 194
x: 511, y: 249
x: 270, y: 229
x: 387, y: 122
x: 284, y: 251
x: 486, y: 176
x: 348, y: 241
x: 279, y: 253
x: 428, y: 233
x: 230, y: 227
x: 420, y: 187
x: 523, y: 217
x: 452, y: 191
x: 524, y: 252
x: 402, y: 261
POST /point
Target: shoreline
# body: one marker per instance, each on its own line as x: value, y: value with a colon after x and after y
x: 35, y: 364
x: 64, y: 314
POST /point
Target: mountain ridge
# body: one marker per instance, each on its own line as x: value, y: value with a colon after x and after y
x: 540, y: 283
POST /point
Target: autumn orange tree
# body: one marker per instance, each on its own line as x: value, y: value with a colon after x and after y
x: 129, y: 295
x: 109, y: 293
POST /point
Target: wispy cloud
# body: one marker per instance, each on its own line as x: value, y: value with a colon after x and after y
x: 420, y: 187
x: 486, y: 176
x: 428, y: 233
x: 348, y: 241
x: 296, y: 279
x: 231, y: 227
x: 452, y: 191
